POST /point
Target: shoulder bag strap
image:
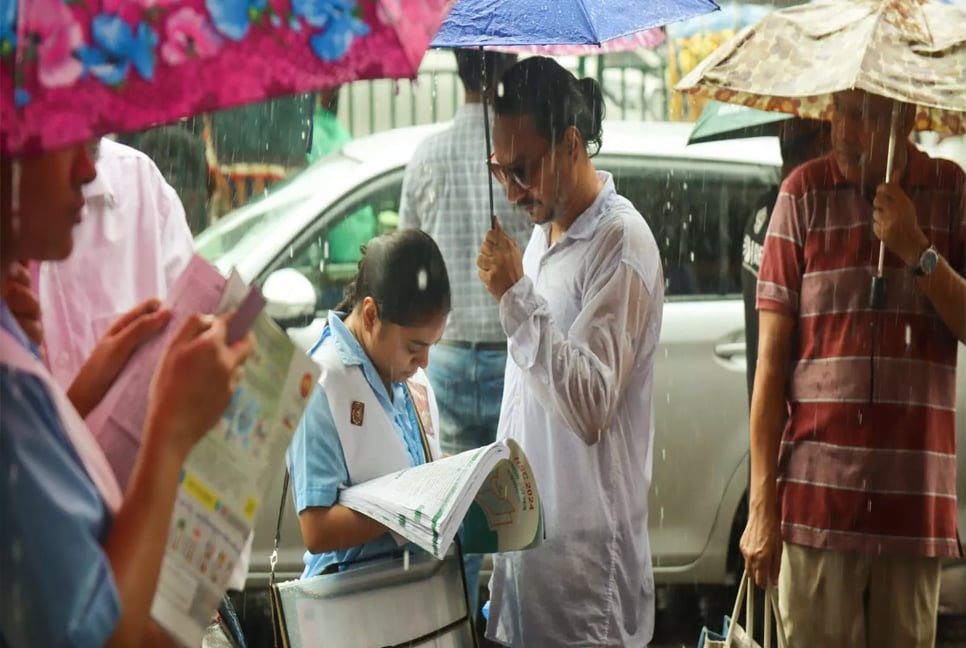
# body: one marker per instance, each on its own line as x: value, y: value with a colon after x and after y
x: 276, y: 601
x: 419, y: 422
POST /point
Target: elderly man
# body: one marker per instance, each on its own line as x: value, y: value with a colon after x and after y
x: 853, y: 506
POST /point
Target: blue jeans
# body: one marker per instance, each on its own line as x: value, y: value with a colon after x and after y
x: 469, y: 391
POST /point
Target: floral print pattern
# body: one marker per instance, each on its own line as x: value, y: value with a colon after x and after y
x: 795, y: 59
x: 136, y: 63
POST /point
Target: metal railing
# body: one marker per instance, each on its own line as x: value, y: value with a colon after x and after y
x: 633, y: 83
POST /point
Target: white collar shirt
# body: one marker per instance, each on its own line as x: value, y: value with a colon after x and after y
x: 132, y: 243
x: 583, y: 328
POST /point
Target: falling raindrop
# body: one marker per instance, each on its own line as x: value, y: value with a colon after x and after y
x: 908, y: 335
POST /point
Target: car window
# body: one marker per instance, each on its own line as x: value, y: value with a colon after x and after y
x: 697, y: 211
x: 328, y: 253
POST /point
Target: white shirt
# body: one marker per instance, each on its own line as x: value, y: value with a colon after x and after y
x: 446, y: 194
x: 132, y: 243
x: 583, y: 326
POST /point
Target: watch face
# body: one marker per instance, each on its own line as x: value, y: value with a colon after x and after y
x: 929, y: 260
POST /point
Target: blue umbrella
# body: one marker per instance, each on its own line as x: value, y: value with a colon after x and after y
x: 481, y: 23
x: 558, y: 22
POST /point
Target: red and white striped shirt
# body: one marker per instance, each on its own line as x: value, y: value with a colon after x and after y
x: 868, y: 456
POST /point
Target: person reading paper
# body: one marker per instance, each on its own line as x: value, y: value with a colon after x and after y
x: 81, y: 559
x: 374, y: 411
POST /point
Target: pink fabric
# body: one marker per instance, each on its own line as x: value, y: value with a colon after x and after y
x: 647, y: 39
x: 90, y: 453
x: 131, y: 245
x: 93, y: 67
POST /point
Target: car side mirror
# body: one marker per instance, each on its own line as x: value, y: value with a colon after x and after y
x: 290, y: 298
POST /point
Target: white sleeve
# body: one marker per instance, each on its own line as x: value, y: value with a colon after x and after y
x: 176, y: 240
x: 582, y: 375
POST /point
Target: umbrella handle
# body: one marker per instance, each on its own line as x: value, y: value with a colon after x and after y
x: 486, y: 134
x: 890, y: 160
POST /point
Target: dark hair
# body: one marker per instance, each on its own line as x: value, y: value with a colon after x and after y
x: 469, y: 65
x: 554, y: 99
x: 404, y: 272
x: 179, y: 154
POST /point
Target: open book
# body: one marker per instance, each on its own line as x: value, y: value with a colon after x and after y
x: 228, y: 472
x: 492, y: 488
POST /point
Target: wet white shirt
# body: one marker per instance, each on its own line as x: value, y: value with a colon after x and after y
x: 583, y: 326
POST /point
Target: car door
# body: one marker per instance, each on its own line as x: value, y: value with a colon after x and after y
x: 697, y: 211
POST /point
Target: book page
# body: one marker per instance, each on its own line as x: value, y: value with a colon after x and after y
x: 227, y: 473
x: 506, y: 514
x: 418, y: 503
x: 225, y: 478
x: 118, y: 420
x: 427, y: 504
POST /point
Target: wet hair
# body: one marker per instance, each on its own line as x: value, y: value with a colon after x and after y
x: 469, y: 65
x: 404, y: 272
x: 554, y: 99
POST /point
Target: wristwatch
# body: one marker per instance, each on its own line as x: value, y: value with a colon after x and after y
x: 928, y: 261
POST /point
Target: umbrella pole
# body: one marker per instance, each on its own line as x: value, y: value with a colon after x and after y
x: 878, y: 296
x: 486, y: 134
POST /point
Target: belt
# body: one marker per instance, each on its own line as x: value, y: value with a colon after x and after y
x: 475, y: 346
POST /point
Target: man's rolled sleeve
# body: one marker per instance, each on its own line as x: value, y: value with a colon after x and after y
x: 782, y: 263
x: 518, y: 309
x: 315, y: 461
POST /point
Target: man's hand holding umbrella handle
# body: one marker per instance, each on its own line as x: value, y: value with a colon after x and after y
x: 896, y: 225
x: 500, y: 261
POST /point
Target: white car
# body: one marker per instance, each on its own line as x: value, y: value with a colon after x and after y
x: 696, y: 200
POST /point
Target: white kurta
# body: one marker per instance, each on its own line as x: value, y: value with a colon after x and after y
x: 583, y: 327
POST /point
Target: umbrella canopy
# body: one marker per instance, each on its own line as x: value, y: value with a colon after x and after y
x: 721, y: 121
x: 558, y: 22
x: 647, y: 39
x: 795, y: 59
x: 71, y: 70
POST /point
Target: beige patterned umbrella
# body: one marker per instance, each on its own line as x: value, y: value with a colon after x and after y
x: 795, y: 59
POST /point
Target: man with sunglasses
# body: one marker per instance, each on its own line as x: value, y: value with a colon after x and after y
x: 582, y: 312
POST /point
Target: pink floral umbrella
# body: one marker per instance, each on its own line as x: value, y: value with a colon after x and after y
x: 71, y: 70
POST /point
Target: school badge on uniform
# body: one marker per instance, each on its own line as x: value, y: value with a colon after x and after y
x: 358, y: 413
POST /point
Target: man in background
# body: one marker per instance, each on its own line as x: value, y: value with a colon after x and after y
x: 800, y: 140
x: 131, y: 245
x: 179, y: 154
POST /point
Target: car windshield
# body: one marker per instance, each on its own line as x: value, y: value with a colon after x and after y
x: 239, y: 234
